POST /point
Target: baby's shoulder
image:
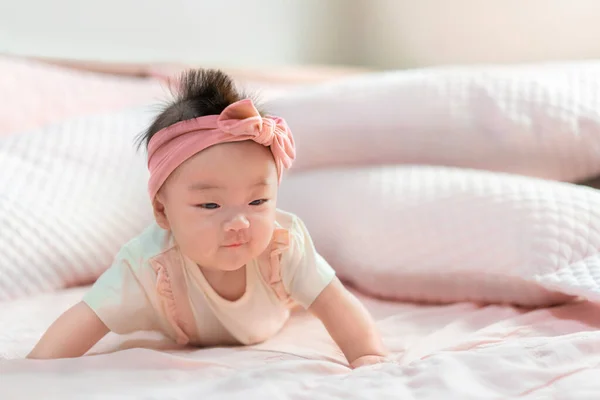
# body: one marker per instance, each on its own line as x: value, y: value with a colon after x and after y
x: 296, y: 235
x: 292, y: 224
x: 303, y: 272
x: 285, y: 220
x: 150, y: 243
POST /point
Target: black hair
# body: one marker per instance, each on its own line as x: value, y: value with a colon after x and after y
x: 199, y: 92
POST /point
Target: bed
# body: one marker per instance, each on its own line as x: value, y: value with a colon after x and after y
x: 504, y: 332
x: 459, y: 351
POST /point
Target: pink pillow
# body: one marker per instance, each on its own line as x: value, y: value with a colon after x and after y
x: 536, y: 120
x: 439, y: 234
x: 36, y: 94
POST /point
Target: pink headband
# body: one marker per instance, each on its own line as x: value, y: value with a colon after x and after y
x: 173, y: 145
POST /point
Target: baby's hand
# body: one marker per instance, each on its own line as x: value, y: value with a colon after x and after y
x: 368, y: 360
x: 350, y: 325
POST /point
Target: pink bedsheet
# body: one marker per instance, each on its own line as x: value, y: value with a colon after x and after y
x: 460, y: 351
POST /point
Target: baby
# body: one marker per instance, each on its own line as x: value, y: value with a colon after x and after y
x: 221, y: 265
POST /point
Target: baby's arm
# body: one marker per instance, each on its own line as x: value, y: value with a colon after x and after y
x: 349, y: 324
x: 71, y: 335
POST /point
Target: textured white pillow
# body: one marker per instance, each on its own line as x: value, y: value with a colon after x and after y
x: 536, y: 120
x: 71, y: 195
x: 441, y: 234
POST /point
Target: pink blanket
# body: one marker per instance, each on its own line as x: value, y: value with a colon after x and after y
x: 460, y: 351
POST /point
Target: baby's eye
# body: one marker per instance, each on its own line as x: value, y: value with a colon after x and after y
x: 209, y: 206
x: 258, y: 202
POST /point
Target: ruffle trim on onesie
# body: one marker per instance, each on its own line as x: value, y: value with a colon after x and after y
x: 271, y: 270
x: 172, y: 293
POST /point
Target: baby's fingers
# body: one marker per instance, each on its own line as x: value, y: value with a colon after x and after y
x: 368, y: 360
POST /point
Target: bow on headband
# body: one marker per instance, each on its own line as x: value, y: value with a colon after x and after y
x: 171, y: 146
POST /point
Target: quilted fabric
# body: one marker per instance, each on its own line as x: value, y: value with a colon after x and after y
x: 441, y: 234
x: 536, y: 120
x: 72, y: 194
x: 35, y: 94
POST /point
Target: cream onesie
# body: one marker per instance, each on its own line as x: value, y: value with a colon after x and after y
x: 153, y: 286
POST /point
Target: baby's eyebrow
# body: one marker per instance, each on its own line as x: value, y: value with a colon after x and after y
x: 203, y: 186
x: 262, y: 182
x: 211, y: 186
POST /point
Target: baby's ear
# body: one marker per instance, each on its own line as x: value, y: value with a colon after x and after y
x: 159, y: 212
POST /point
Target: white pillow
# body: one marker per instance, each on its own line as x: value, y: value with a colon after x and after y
x: 72, y: 195
x: 440, y: 234
x: 536, y: 120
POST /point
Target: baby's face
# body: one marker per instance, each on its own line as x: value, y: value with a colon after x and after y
x: 220, y: 204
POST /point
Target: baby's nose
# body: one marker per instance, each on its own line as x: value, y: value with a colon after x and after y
x: 237, y: 222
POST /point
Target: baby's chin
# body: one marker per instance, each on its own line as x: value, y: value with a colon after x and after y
x: 231, y: 268
x: 233, y: 260
x: 223, y: 266
x: 229, y: 259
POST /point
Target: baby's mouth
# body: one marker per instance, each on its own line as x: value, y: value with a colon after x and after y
x: 235, y: 244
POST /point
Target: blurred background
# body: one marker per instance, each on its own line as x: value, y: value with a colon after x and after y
x: 375, y: 34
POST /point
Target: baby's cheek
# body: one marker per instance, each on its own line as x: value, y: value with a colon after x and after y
x: 198, y: 237
x: 262, y: 234
x: 200, y: 251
